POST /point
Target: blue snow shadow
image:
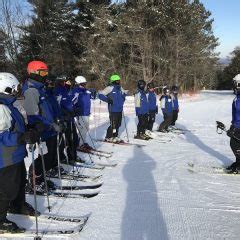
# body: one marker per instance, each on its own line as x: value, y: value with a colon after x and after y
x: 142, y: 218
x: 192, y: 138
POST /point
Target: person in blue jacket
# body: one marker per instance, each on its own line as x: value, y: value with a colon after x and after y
x: 64, y: 96
x: 174, y: 94
x: 167, y: 110
x: 234, y: 131
x: 13, y: 139
x: 114, y: 95
x: 152, y: 105
x: 40, y: 115
x: 82, y: 106
x: 142, y: 110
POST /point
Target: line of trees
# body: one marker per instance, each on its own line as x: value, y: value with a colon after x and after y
x: 165, y: 41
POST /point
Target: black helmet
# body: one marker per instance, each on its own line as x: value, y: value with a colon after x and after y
x: 150, y: 85
x: 62, y: 77
x: 166, y: 90
x: 174, y: 89
x: 141, y: 84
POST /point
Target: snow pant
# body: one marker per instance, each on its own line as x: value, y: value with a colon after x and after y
x: 174, y: 117
x: 235, y: 146
x: 12, y: 188
x: 83, y: 122
x: 71, y: 142
x: 115, y: 124
x: 50, y: 159
x: 142, y: 123
x: 151, y: 120
x: 167, y: 120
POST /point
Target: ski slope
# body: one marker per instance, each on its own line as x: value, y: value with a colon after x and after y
x: 151, y: 194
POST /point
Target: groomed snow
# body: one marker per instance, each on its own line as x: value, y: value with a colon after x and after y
x: 151, y: 195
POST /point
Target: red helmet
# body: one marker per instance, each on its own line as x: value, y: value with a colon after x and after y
x: 35, y: 66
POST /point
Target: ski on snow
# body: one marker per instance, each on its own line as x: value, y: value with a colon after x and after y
x: 122, y: 143
x: 97, y: 153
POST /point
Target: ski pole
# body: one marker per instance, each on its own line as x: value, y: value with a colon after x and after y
x: 44, y: 174
x: 125, y: 125
x: 34, y: 191
x: 58, y: 158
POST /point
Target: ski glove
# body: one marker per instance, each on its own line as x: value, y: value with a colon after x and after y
x: 110, y: 101
x: 230, y: 132
x: 29, y: 137
x: 57, y: 127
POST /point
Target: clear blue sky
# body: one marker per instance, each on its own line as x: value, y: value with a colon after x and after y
x: 226, y: 26
x: 226, y: 23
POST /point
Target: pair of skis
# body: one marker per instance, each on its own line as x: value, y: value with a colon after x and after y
x: 49, y: 225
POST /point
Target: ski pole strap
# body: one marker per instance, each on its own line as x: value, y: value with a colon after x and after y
x: 220, y: 127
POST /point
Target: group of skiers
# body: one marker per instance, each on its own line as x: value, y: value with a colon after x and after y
x: 57, y: 110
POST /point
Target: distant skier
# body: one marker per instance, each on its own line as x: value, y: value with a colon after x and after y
x: 152, y: 105
x: 115, y: 96
x: 13, y: 139
x: 142, y: 110
x: 82, y: 106
x: 174, y: 94
x: 167, y: 110
x: 234, y: 131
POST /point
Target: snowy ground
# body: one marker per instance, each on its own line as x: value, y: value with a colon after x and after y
x: 151, y: 195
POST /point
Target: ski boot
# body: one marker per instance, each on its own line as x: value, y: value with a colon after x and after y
x: 108, y: 140
x: 141, y: 137
x: 54, y: 172
x: 7, y: 226
x: 117, y: 140
x: 26, y: 209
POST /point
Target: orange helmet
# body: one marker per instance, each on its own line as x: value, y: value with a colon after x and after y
x: 36, y: 66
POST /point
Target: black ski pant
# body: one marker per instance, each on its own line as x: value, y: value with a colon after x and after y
x: 151, y: 120
x: 235, y: 146
x: 115, y: 124
x: 142, y: 123
x: 50, y: 159
x: 167, y: 120
x: 12, y: 188
x: 174, y: 117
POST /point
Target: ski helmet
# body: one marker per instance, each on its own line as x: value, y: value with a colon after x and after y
x: 8, y: 83
x: 64, y: 78
x: 37, y: 67
x: 114, y: 78
x: 174, y: 89
x: 80, y: 80
x: 236, y: 84
x: 150, y: 85
x: 166, y: 90
x: 141, y: 84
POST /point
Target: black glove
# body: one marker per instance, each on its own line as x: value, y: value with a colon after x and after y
x: 93, y: 93
x: 29, y: 137
x: 110, y: 101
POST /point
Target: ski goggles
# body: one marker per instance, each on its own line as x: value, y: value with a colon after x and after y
x: 43, y: 73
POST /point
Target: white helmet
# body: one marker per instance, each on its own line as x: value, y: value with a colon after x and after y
x: 80, y: 79
x: 8, y: 83
x: 237, y: 77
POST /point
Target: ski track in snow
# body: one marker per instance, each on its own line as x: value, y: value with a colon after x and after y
x: 151, y: 195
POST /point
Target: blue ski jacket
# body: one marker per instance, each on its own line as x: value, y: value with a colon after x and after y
x: 152, y: 102
x: 117, y: 94
x: 82, y: 101
x: 11, y: 152
x: 175, y: 102
x: 166, y: 104
x: 64, y: 98
x: 141, y: 103
x: 57, y: 112
x: 236, y: 112
x: 38, y: 107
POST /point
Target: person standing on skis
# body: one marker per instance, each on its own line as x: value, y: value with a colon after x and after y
x: 40, y: 115
x: 234, y: 131
x: 167, y: 110
x: 63, y: 94
x: 152, y: 105
x: 82, y: 106
x: 115, y: 96
x: 174, y: 94
x: 13, y: 140
x: 142, y: 110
